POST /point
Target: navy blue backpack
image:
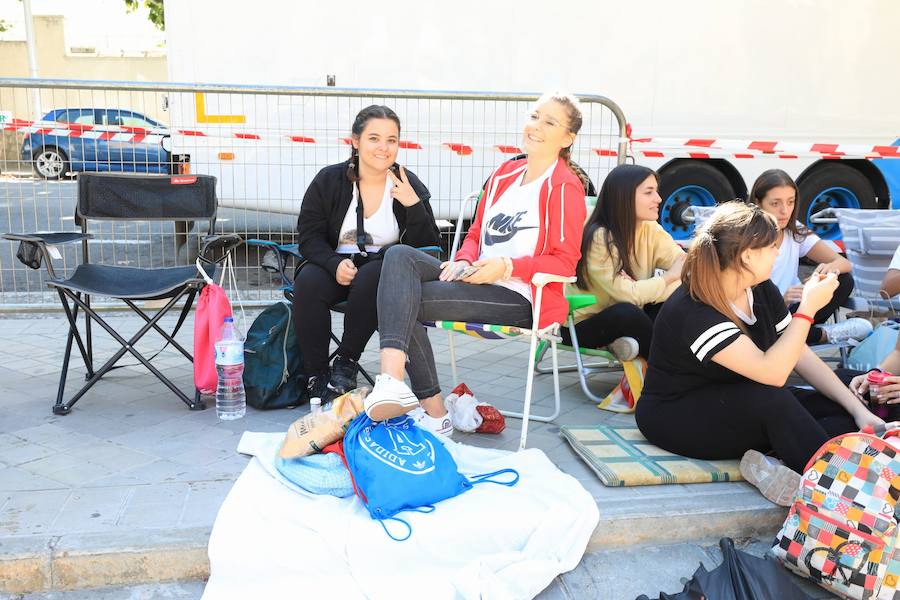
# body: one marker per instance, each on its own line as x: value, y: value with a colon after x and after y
x: 396, y: 465
x: 273, y: 376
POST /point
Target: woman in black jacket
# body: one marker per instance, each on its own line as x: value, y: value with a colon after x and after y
x: 343, y: 243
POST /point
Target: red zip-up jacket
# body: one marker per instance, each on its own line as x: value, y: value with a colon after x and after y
x: 562, y: 216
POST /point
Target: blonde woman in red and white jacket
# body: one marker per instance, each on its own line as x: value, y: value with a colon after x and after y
x: 529, y: 220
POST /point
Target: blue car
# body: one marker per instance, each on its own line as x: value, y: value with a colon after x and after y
x: 55, y: 155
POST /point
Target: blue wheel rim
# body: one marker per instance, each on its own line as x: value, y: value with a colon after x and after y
x: 672, y: 209
x: 833, y: 197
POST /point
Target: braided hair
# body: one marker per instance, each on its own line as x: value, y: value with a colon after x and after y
x: 573, y: 111
x: 375, y: 111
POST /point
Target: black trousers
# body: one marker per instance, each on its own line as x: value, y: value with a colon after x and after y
x: 724, y: 421
x: 845, y: 288
x: 315, y: 292
x: 618, y: 320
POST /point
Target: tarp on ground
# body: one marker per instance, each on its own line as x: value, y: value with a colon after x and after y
x: 272, y: 539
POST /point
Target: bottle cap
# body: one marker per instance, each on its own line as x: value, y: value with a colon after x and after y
x: 315, y: 401
x: 229, y: 319
x: 877, y: 377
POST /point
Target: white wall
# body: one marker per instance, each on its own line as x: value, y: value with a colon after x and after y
x: 814, y: 69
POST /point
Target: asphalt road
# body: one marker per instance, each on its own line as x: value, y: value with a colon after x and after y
x: 29, y: 205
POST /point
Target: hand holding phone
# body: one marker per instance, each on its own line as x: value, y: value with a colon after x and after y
x: 468, y: 271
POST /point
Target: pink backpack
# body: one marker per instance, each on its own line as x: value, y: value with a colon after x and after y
x: 212, y: 308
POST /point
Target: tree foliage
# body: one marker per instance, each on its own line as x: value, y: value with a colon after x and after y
x: 157, y: 12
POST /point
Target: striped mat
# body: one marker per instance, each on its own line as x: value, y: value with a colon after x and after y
x: 622, y: 457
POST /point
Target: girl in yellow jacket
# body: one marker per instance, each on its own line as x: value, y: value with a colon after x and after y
x: 628, y: 262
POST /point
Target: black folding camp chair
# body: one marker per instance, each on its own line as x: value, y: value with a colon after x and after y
x: 118, y: 197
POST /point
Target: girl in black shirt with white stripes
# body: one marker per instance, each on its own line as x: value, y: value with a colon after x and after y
x: 723, y: 347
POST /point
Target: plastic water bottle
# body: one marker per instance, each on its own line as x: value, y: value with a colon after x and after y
x: 231, y: 401
x: 315, y: 406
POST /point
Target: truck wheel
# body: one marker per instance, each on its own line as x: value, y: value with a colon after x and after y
x: 689, y: 183
x: 833, y: 186
x: 50, y: 162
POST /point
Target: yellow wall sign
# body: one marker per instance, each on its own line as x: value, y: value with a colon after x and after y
x: 202, y: 117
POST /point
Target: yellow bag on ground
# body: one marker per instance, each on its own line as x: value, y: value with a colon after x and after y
x: 310, y: 433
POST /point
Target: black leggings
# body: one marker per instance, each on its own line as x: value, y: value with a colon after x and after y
x: 618, y: 320
x: 723, y: 421
x: 315, y: 292
x: 845, y: 288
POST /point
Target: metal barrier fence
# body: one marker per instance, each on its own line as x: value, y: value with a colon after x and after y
x: 264, y: 144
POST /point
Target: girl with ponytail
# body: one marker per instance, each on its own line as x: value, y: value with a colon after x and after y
x: 723, y: 347
x: 351, y: 213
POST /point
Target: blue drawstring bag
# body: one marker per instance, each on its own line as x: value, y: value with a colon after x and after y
x: 396, y: 466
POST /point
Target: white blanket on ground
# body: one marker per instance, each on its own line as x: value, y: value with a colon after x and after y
x: 274, y: 540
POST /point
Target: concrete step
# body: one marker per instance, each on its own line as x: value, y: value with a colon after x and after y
x: 613, y: 574
x: 651, y: 516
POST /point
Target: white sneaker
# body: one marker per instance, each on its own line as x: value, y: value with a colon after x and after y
x: 389, y: 398
x: 441, y: 426
x: 852, y: 329
x: 776, y: 482
x: 624, y: 348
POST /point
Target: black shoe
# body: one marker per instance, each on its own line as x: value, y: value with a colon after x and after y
x: 317, y: 387
x: 343, y: 375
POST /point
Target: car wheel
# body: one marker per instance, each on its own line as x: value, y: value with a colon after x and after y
x: 50, y: 163
x: 685, y: 184
x: 833, y: 186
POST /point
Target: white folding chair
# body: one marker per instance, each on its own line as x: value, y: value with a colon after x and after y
x: 548, y: 334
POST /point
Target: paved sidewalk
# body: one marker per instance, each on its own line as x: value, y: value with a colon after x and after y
x: 125, y: 489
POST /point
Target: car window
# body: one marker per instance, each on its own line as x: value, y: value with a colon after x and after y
x: 77, y: 116
x: 111, y: 118
x: 135, y: 121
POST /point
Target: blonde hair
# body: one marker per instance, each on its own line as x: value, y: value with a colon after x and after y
x: 572, y: 106
x: 717, y: 247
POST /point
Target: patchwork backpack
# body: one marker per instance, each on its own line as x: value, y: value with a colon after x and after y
x: 842, y: 531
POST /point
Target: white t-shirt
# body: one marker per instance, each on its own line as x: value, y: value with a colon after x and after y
x: 895, y: 262
x: 381, y: 228
x: 784, y: 272
x: 512, y: 225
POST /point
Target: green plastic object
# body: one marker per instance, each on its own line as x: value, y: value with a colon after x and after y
x: 577, y: 301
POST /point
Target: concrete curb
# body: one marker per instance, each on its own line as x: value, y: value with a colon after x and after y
x: 72, y: 562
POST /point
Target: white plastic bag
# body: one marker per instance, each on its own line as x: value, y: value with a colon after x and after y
x: 461, y: 405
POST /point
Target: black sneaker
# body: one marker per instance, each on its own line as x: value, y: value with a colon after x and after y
x: 343, y: 375
x: 317, y: 387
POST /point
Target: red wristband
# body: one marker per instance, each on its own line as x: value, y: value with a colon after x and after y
x: 807, y: 317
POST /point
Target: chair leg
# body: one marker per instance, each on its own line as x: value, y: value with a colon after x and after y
x: 581, y: 367
x: 89, y: 340
x: 127, y: 346
x: 452, y: 349
x: 169, y: 338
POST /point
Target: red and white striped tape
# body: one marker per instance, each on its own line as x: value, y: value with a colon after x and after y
x: 658, y: 147
x: 696, y: 148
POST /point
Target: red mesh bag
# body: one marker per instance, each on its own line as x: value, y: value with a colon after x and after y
x: 493, y: 421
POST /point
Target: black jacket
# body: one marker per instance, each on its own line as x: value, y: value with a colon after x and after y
x: 325, y: 205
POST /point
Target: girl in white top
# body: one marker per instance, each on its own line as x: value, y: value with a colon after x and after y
x: 776, y: 193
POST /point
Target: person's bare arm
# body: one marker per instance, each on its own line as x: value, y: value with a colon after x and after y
x: 890, y: 285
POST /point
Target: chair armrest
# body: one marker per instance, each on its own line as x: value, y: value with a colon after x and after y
x: 223, y: 243
x: 49, y: 238
x: 430, y: 249
x: 34, y: 248
x: 542, y: 279
x: 577, y: 301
